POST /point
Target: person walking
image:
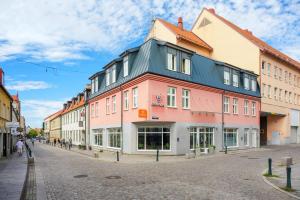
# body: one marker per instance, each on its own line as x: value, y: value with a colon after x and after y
x: 54, y: 141
x: 70, y: 143
x: 20, y: 147
x: 32, y: 141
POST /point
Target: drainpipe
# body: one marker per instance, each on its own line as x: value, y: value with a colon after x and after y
x: 223, y: 138
x: 122, y: 141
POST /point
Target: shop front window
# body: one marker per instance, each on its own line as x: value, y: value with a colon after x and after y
x: 152, y: 138
x: 230, y: 137
x: 114, y: 137
x: 201, y: 137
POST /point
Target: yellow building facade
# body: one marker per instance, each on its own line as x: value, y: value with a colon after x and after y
x: 5, y: 116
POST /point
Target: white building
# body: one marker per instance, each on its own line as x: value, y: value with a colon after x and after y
x: 73, y: 120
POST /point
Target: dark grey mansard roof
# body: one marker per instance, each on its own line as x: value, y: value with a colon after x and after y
x: 151, y: 57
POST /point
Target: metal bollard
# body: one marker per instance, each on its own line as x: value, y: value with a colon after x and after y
x: 270, y: 166
x: 118, y: 159
x: 225, y: 149
x: 288, y: 177
x: 157, y: 155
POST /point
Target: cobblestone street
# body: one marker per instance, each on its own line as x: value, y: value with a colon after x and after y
x: 69, y: 175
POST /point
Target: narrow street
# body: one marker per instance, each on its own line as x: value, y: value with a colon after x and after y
x: 69, y: 175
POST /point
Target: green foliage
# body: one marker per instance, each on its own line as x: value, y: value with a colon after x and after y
x: 32, y: 133
x: 273, y: 175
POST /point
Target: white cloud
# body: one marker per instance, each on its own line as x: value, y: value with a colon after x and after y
x: 27, y: 85
x: 61, y: 30
x: 36, y: 110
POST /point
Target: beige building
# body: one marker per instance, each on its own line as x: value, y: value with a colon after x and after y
x: 53, y: 123
x: 279, y: 78
x: 279, y: 74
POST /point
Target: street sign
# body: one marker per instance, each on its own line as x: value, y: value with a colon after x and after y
x: 12, y: 124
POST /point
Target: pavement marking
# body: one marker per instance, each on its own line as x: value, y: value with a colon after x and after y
x: 276, y: 187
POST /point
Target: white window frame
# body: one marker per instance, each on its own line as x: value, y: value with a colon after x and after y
x: 171, y: 97
x: 92, y: 111
x: 253, y: 109
x: 97, y: 133
x: 114, y: 104
x: 234, y: 131
x: 186, y: 98
x: 226, y: 76
x: 246, y: 107
x: 172, y: 62
x: 97, y: 109
x: 235, y: 79
x: 246, y: 82
x: 114, y: 74
x: 235, y: 106
x: 186, y: 66
x: 226, y: 104
x: 253, y: 85
x: 126, y: 100
x: 125, y: 66
x: 135, y: 97
x: 96, y: 84
x: 107, y: 77
x: 114, y: 132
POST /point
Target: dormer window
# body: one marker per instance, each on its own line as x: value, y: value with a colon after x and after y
x: 246, y: 82
x: 253, y: 84
x: 235, y: 79
x: 110, y: 75
x: 186, y: 66
x: 171, y: 62
x: 226, y: 76
x: 125, y: 66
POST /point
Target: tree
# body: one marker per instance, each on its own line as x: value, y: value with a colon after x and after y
x: 32, y: 133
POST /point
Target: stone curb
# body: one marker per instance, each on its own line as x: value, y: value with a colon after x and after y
x: 40, y: 185
x: 276, y: 187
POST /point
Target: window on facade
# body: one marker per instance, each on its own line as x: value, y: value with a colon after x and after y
x: 152, y: 138
x: 286, y: 96
x: 235, y: 79
x: 264, y: 90
x: 246, y: 104
x: 226, y: 76
x: 185, y: 98
x: 269, y: 91
x: 114, y: 102
x: 286, y: 76
x: 269, y: 69
x: 135, y: 97
x: 126, y: 100
x: 98, y: 137
x: 280, y: 74
x: 230, y: 137
x: 96, y: 109
x: 107, y: 105
x: 113, y: 74
x: 290, y: 97
x: 226, y: 105
x: 125, y: 66
x: 186, y: 66
x: 280, y: 94
x: 275, y: 72
x: 110, y: 75
x: 290, y: 78
x: 107, y: 77
x: 246, y: 82
x: 96, y: 82
x: 171, y: 61
x: 253, y: 84
x: 295, y: 80
x: 114, y: 137
x: 93, y: 85
x: 92, y: 111
x: 295, y: 99
x: 275, y: 93
x: 253, y: 110
x: 263, y: 67
x: 235, y: 106
x: 201, y: 137
x: 171, y: 99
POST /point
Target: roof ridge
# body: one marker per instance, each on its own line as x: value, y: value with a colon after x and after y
x: 264, y: 46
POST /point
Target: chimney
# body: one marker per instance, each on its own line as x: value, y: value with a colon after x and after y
x: 65, y: 106
x: 212, y: 10
x: 180, y: 23
x: 1, y: 77
x: 249, y: 32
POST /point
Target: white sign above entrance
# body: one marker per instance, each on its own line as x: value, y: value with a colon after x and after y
x: 12, y: 124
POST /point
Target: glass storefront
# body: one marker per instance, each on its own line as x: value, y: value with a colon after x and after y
x: 230, y: 137
x: 114, y: 137
x: 152, y: 138
x: 201, y: 137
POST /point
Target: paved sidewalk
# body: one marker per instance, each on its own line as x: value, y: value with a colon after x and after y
x: 280, y: 181
x: 12, y: 176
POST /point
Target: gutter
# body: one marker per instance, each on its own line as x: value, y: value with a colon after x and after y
x: 223, y: 138
x: 122, y: 137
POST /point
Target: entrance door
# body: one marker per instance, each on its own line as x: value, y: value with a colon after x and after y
x: 263, y: 131
x: 294, y: 134
x: 4, y: 145
x: 275, y: 138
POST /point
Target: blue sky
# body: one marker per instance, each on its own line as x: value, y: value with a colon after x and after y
x: 48, y: 49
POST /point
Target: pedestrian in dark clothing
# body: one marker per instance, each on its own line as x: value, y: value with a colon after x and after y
x: 54, y: 141
x: 70, y: 143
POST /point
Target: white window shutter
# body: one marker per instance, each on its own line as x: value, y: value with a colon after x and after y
x: 169, y: 61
